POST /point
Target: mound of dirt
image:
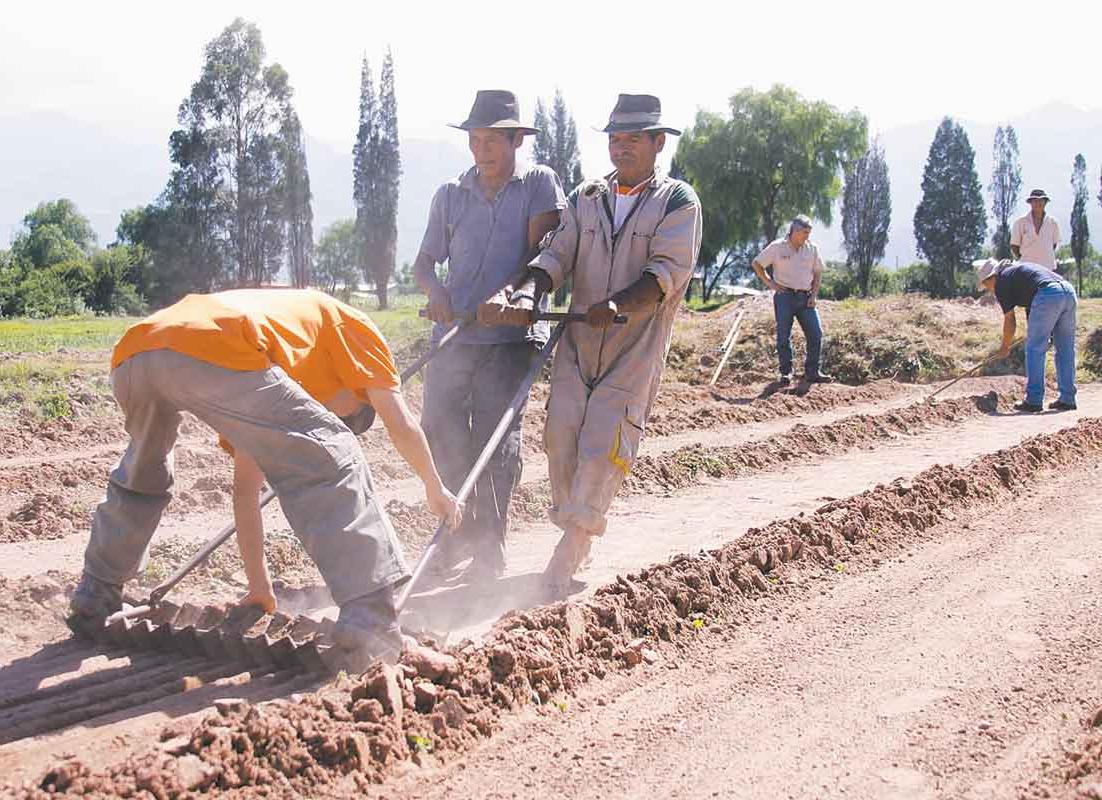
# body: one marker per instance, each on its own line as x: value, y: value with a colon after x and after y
x: 32, y: 609
x: 357, y: 729
x: 42, y: 516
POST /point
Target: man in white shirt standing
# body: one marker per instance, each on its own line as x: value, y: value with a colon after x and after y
x: 1035, y: 237
x: 797, y: 272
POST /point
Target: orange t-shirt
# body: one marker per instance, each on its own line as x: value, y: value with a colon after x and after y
x: 321, y: 343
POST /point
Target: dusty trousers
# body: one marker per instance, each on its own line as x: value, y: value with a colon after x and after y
x: 311, y: 460
x: 467, y: 389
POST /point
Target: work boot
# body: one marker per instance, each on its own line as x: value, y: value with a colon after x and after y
x: 1026, y: 407
x: 93, y: 602
x: 818, y: 377
x: 367, y: 629
x: 570, y: 553
x: 1060, y: 405
x: 785, y: 379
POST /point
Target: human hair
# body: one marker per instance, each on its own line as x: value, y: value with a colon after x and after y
x: 801, y: 222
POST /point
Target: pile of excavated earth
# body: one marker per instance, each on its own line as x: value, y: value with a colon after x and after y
x: 718, y: 644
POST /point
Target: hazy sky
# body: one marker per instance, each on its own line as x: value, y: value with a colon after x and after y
x: 129, y: 64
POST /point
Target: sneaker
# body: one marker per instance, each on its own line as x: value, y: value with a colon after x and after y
x: 1028, y: 408
x: 93, y: 602
x: 367, y: 629
x: 818, y: 377
x: 1060, y: 405
x: 785, y: 379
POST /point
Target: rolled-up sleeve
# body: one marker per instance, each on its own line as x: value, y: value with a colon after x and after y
x: 676, y: 244
x: 558, y: 249
x: 435, y: 241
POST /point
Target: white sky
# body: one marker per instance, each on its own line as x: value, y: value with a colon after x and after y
x: 130, y: 63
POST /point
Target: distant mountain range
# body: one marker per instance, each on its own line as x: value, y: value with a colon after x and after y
x: 44, y: 156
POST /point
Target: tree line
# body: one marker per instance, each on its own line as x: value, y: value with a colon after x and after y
x: 237, y: 207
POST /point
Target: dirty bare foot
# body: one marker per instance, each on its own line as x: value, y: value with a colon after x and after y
x: 570, y: 553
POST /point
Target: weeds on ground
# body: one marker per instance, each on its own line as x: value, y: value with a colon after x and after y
x: 74, y: 333
x: 41, y: 387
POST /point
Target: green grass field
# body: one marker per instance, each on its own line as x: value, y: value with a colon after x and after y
x: 73, y: 333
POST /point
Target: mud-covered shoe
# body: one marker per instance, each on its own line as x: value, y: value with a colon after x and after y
x: 93, y: 602
x: 1028, y: 408
x: 818, y: 377
x: 366, y: 629
x: 785, y: 379
x: 1060, y: 405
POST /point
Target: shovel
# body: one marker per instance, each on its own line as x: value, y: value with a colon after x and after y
x: 163, y: 588
x: 972, y: 371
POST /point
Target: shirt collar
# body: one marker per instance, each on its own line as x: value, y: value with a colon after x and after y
x: 469, y: 180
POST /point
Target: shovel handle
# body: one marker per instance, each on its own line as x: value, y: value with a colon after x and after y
x: 536, y: 316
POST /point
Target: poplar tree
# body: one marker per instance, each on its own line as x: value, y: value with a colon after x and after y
x: 950, y: 222
x: 299, y: 215
x: 377, y: 172
x: 1080, y: 230
x: 866, y: 213
x: 1005, y: 186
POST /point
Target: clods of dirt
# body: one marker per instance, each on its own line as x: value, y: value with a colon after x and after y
x: 357, y: 728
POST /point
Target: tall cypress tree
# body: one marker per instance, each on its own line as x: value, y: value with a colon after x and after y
x: 1080, y: 230
x: 543, y: 144
x: 556, y: 146
x: 298, y: 214
x: 363, y: 166
x: 866, y: 213
x: 384, y: 238
x: 950, y: 222
x: 1006, y: 183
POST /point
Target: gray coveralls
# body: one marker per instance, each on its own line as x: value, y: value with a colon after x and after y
x: 312, y: 461
x: 603, y: 383
x: 468, y: 386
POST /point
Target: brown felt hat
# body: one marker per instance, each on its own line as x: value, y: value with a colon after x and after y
x: 637, y: 112
x: 495, y: 108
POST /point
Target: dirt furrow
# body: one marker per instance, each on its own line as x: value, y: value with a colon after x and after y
x: 356, y: 730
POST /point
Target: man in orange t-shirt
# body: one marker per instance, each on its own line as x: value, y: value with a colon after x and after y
x: 287, y: 378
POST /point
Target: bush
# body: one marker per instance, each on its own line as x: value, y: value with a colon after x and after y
x: 44, y: 293
x: 839, y: 283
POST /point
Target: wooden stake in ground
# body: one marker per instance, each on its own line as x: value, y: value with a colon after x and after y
x: 732, y: 337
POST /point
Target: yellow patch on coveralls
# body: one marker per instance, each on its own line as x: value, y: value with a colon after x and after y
x: 614, y: 456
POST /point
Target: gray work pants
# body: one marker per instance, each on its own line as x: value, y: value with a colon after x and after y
x: 467, y: 389
x: 311, y: 460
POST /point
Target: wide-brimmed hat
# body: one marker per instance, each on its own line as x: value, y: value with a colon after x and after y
x: 495, y: 108
x: 986, y: 268
x: 637, y: 112
x: 1038, y: 194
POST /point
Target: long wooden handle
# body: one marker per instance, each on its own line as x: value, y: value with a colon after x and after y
x: 484, y: 457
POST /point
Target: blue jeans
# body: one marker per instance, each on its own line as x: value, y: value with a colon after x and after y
x: 467, y: 389
x: 789, y: 305
x: 1051, y: 318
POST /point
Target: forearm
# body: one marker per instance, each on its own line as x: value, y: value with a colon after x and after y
x: 250, y: 541
x: 1010, y: 327
x: 763, y: 276
x: 409, y: 440
x: 1015, y: 251
x: 816, y: 280
x: 424, y: 273
x: 643, y: 295
x: 535, y: 284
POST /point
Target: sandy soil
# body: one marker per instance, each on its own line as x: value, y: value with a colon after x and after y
x: 899, y: 613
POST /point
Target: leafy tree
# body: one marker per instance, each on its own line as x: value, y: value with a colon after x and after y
x: 235, y: 111
x: 54, y: 232
x: 1006, y: 184
x: 377, y: 171
x: 775, y: 156
x: 1080, y: 230
x: 113, y: 282
x: 337, y: 266
x: 866, y: 214
x: 299, y: 214
x: 950, y: 222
